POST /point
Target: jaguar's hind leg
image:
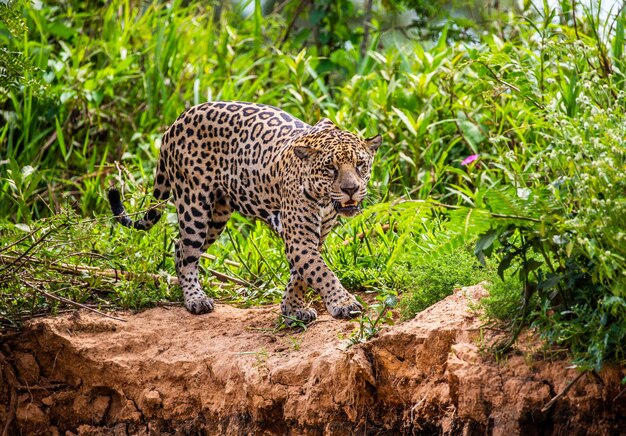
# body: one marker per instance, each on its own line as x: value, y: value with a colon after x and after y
x: 193, y: 221
x: 199, y: 228
x: 187, y: 257
x: 221, y: 214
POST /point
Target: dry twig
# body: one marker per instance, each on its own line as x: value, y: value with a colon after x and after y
x: 15, y: 260
x: 565, y: 390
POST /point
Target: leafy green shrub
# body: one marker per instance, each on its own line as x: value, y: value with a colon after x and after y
x: 547, y: 192
x: 437, y: 277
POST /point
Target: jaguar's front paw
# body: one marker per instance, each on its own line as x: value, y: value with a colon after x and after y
x: 199, y: 304
x: 347, y: 307
x: 296, y: 316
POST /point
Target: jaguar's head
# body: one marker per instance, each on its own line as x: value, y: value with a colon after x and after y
x: 336, y: 166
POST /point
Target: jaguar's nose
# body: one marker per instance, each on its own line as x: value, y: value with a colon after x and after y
x: 349, y: 188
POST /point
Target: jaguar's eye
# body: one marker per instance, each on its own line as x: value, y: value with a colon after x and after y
x: 360, y: 167
x: 330, y: 168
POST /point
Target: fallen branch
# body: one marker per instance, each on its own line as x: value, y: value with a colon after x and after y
x: 226, y: 261
x: 114, y: 273
x: 565, y: 390
x: 70, y: 302
x: 91, y: 270
x: 226, y: 278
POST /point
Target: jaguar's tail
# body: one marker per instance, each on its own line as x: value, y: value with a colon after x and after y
x: 161, y: 192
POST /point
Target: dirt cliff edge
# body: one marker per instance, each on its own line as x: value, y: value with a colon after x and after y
x: 166, y: 371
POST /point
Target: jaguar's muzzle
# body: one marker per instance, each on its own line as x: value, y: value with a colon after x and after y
x: 348, y: 208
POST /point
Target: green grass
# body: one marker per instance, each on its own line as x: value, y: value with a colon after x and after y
x: 538, y: 102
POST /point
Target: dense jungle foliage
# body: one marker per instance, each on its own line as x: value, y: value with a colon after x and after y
x: 503, y: 160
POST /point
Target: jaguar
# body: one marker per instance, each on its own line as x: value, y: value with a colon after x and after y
x: 222, y: 157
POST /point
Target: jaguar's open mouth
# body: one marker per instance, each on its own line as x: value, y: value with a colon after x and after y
x: 349, y: 208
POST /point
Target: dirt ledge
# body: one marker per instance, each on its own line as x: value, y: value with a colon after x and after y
x: 166, y: 371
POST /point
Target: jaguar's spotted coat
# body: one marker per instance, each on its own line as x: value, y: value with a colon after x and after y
x: 258, y: 160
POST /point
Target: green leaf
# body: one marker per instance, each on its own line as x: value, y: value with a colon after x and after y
x: 531, y: 265
x: 485, y: 243
x: 505, y: 263
x: 551, y: 282
x: 410, y: 125
x: 472, y: 133
x: 61, y: 140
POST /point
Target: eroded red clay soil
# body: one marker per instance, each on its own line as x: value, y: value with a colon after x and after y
x: 166, y: 371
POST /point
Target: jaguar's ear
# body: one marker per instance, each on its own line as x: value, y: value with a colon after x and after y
x: 303, y: 152
x: 374, y: 142
x: 324, y: 124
